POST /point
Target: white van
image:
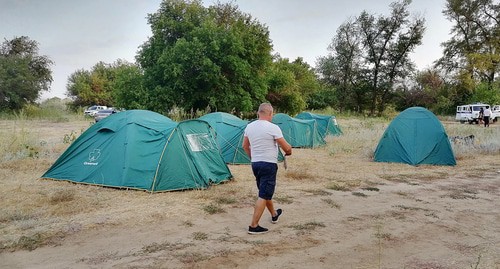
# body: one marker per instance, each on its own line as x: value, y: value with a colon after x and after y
x: 470, y: 113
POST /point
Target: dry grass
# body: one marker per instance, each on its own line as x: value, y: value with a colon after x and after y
x: 36, y: 212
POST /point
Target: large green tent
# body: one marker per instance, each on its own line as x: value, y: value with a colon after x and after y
x: 299, y: 133
x: 327, y: 125
x: 140, y: 149
x: 229, y: 131
x: 415, y: 137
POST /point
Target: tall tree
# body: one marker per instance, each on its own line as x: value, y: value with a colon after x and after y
x: 388, y: 42
x: 199, y: 57
x: 24, y: 74
x: 342, y: 68
x: 472, y: 54
x: 376, y: 57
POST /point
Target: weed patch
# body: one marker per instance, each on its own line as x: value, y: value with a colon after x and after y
x: 359, y: 194
x: 331, y: 203
x: 200, y: 236
x: 213, y: 209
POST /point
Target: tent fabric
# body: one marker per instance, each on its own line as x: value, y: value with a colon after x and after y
x: 229, y: 135
x: 327, y: 125
x: 144, y: 150
x: 415, y: 137
x: 230, y: 131
x: 299, y: 133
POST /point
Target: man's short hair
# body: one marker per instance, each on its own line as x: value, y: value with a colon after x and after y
x: 266, y: 109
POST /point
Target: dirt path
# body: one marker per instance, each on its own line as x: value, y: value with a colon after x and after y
x: 452, y: 223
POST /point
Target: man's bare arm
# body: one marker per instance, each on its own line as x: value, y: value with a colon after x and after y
x: 246, y: 146
x: 284, y: 145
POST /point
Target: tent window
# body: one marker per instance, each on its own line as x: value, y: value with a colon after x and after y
x: 200, y: 142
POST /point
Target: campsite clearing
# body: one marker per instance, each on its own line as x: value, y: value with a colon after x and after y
x: 341, y: 209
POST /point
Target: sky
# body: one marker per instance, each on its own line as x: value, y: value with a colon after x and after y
x: 77, y: 34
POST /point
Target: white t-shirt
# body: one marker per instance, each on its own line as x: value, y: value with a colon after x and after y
x: 262, y: 135
x: 487, y: 112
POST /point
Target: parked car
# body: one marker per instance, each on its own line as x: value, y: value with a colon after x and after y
x: 91, y: 111
x: 104, y: 113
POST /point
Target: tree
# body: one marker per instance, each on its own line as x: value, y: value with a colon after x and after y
x: 24, y: 74
x: 128, y: 89
x: 291, y: 84
x: 388, y: 42
x: 204, y: 57
x: 342, y: 69
x: 472, y: 55
x: 370, y: 54
x: 101, y: 85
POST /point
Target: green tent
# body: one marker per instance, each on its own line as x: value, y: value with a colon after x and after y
x: 229, y: 135
x: 229, y: 131
x: 415, y: 137
x: 144, y: 150
x: 327, y: 125
x: 299, y: 133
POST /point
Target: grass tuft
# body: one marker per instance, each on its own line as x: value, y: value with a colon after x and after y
x: 213, y: 209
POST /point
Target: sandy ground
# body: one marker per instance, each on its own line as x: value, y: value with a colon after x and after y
x: 397, y: 216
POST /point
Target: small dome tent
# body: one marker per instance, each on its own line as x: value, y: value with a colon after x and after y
x: 229, y: 135
x: 415, y: 137
x: 144, y: 150
x: 229, y: 131
x: 299, y: 133
x: 327, y: 125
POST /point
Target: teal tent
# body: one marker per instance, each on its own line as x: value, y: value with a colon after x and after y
x: 144, y: 150
x: 299, y: 133
x: 229, y: 131
x: 415, y: 137
x: 229, y: 135
x: 327, y: 125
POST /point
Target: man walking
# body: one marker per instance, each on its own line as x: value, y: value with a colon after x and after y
x: 261, y: 141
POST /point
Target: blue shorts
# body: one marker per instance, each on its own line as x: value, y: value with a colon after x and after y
x: 265, y: 175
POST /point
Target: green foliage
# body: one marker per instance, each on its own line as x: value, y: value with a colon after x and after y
x: 487, y: 94
x: 291, y: 84
x: 69, y: 138
x: 23, y: 73
x: 200, y: 57
x: 97, y: 85
x: 128, y: 89
x: 472, y: 54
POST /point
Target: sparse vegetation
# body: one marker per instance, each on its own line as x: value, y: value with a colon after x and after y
x: 331, y: 203
x: 359, y: 194
x: 308, y: 226
x: 213, y: 208
x: 200, y: 236
x: 37, y: 213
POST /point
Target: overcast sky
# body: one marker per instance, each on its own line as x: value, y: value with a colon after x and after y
x: 76, y: 34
